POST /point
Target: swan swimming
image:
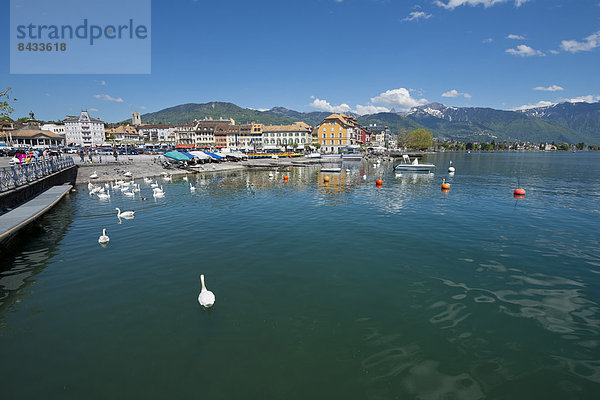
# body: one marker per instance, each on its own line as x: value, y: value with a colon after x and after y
x: 129, y: 194
x: 103, y: 239
x: 125, y: 214
x: 185, y: 178
x: 206, y: 298
x: 192, y: 188
x: 104, y: 196
x: 158, y: 194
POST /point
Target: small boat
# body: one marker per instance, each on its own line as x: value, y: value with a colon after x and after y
x: 331, y: 169
x: 408, y: 165
x: 313, y: 155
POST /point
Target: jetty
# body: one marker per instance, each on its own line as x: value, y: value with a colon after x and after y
x: 13, y: 221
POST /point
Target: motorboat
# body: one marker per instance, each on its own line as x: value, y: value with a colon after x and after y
x: 331, y: 169
x: 408, y: 165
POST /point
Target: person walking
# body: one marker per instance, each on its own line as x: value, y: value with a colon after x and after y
x: 116, y: 155
x: 81, y: 155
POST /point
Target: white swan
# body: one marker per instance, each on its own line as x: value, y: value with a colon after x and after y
x: 136, y: 188
x: 94, y: 175
x: 158, y: 194
x: 167, y: 178
x: 147, y: 180
x: 124, y: 214
x: 154, y: 185
x: 206, y: 298
x: 103, y: 239
x: 451, y: 168
x: 129, y: 194
x: 365, y: 177
x: 192, y: 188
x: 104, y: 196
x: 185, y: 178
x: 270, y: 175
x: 127, y: 174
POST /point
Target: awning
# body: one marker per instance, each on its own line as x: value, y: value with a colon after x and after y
x: 175, y: 155
x: 200, y: 154
x: 213, y: 155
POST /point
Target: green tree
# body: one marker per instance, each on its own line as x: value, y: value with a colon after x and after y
x: 580, y: 146
x: 563, y: 146
x: 419, y: 139
x: 6, y: 100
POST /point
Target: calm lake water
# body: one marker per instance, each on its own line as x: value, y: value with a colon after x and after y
x: 336, y: 290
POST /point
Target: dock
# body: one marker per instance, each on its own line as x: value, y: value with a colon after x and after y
x: 15, y: 220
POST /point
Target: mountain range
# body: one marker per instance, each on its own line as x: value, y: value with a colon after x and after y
x: 564, y: 122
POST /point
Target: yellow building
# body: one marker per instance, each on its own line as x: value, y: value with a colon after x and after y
x: 338, y: 130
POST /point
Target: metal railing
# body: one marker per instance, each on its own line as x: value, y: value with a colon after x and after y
x: 21, y: 174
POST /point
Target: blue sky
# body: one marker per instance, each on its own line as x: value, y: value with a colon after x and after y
x: 359, y: 55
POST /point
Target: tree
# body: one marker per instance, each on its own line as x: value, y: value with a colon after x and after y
x: 5, y: 103
x: 580, y: 146
x: 563, y: 146
x: 419, y: 139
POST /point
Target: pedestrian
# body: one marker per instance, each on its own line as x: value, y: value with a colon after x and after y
x: 115, y: 154
x: 100, y: 158
x: 81, y: 155
x: 90, y: 156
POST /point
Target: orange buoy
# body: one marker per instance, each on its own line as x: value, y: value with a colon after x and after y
x: 285, y: 178
x: 445, y: 186
x: 519, y: 192
x: 379, y: 182
x: 326, y: 178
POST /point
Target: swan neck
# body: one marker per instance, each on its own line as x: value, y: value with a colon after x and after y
x: 202, y: 280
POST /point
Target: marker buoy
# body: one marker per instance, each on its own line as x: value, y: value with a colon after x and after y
x: 519, y: 192
x: 285, y: 178
x: 326, y: 178
x: 445, y: 186
x: 379, y: 182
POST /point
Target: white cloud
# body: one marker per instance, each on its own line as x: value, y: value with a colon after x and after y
x: 108, y: 98
x: 515, y: 37
x: 536, y: 105
x: 552, y: 88
x: 48, y: 94
x: 452, y: 4
x: 324, y: 105
x: 456, y: 93
x: 590, y: 98
x: 589, y: 43
x: 555, y: 52
x: 524, y: 51
x: 93, y: 109
x: 143, y: 107
x: 370, y: 109
x: 398, y: 98
x: 416, y: 15
x: 488, y: 40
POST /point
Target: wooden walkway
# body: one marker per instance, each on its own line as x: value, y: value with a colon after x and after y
x: 15, y: 220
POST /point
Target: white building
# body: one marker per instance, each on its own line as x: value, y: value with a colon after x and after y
x: 54, y: 128
x: 84, y: 130
x: 136, y: 118
x: 162, y: 133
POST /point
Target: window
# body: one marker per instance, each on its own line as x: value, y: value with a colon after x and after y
x: 332, y: 129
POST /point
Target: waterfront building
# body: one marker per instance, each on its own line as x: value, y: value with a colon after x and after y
x: 381, y: 136
x: 206, y: 129
x: 245, y: 137
x: 30, y: 136
x: 54, y: 128
x: 84, y: 130
x: 158, y: 133
x: 136, y: 118
x: 340, y: 130
x: 298, y: 133
x: 184, y: 134
x: 122, y: 134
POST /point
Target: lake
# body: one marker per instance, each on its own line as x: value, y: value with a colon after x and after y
x: 337, y: 290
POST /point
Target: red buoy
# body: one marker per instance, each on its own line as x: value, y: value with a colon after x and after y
x: 519, y: 192
x: 285, y: 178
x: 379, y: 182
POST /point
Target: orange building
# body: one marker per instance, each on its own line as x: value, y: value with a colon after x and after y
x: 337, y: 131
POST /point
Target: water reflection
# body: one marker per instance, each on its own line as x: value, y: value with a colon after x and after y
x: 28, y: 254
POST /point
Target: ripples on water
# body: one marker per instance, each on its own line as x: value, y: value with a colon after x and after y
x: 330, y: 290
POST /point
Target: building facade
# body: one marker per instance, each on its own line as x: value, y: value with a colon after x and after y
x: 381, y: 136
x: 84, y: 130
x: 54, y: 128
x: 298, y: 135
x: 158, y: 133
x: 340, y: 130
x: 122, y: 134
x: 136, y: 118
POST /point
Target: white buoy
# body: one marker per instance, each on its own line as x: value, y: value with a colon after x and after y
x: 125, y: 214
x: 103, y: 239
x: 451, y: 169
x: 206, y: 298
